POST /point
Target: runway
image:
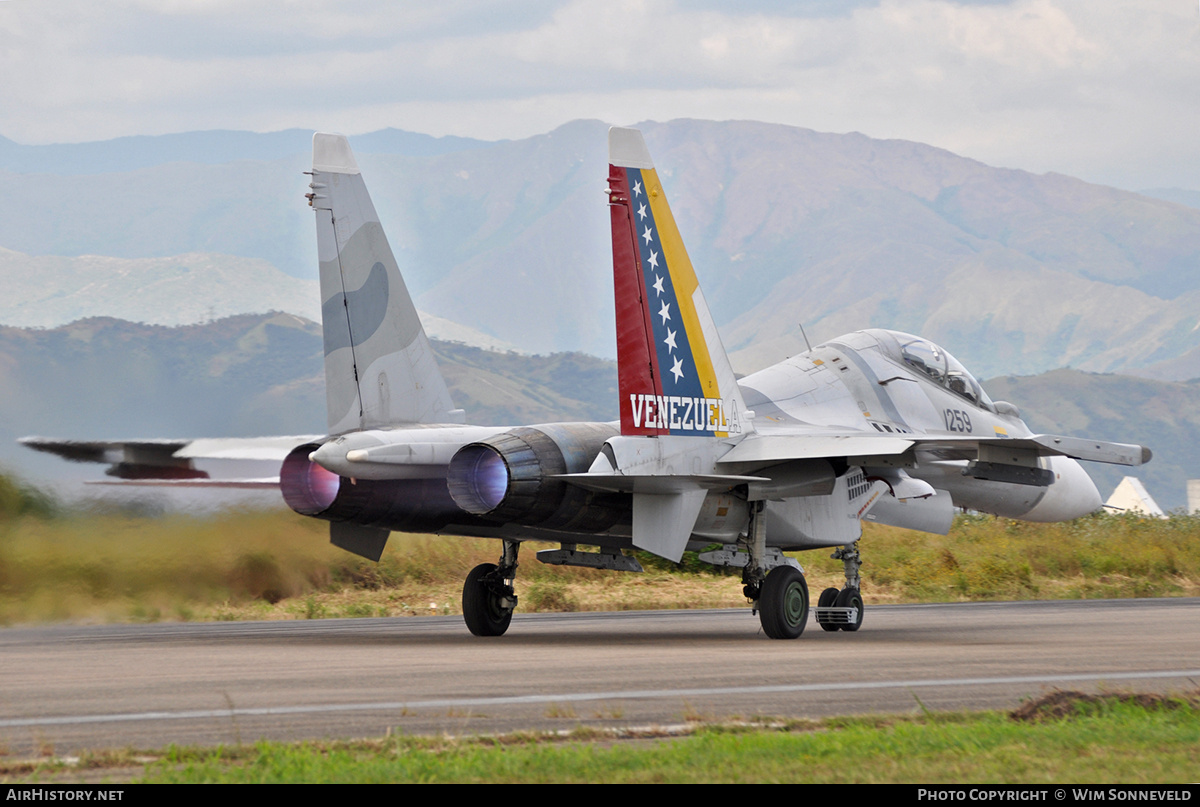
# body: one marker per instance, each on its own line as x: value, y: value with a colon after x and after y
x: 64, y: 689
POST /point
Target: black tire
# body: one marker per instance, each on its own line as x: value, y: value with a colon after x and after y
x: 481, y: 604
x: 826, y: 600
x: 850, y: 598
x: 783, y: 605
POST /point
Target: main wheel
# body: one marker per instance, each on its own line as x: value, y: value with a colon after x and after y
x: 850, y: 598
x: 783, y: 605
x: 481, y: 603
x: 826, y: 600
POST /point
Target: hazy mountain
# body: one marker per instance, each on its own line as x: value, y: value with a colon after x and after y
x: 1162, y: 415
x: 1012, y: 272
x: 212, y: 147
x: 105, y: 378
x: 1182, y: 196
x: 46, y: 291
x: 262, y: 374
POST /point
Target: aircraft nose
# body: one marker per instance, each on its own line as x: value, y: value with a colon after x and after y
x: 1072, y: 495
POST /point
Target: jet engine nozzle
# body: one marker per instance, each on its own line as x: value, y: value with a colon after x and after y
x: 307, y: 488
x: 478, y: 478
x: 407, y: 505
x: 511, y: 477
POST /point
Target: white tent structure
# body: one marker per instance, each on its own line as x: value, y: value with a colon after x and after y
x: 1131, y: 496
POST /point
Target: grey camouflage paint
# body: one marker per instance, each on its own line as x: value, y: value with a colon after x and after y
x: 379, y: 367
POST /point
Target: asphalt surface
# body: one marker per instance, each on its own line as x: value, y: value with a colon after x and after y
x: 64, y: 689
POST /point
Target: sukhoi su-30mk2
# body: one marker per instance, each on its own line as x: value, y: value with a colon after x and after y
x: 876, y: 425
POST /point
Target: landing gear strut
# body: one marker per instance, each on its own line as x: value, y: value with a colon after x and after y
x: 754, y: 573
x: 780, y: 595
x: 488, y: 598
x: 843, y: 610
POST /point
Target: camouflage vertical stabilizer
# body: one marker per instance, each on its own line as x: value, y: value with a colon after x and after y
x: 379, y: 369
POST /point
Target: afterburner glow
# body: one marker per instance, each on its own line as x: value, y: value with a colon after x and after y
x: 477, y: 479
x: 307, y: 488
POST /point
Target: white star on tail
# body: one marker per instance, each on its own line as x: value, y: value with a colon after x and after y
x: 648, y: 235
x: 677, y: 369
x: 637, y: 189
x: 658, y: 286
x: 653, y: 260
x: 642, y: 212
x: 665, y: 311
x: 670, y: 341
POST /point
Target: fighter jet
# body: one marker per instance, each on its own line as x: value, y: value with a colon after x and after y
x: 875, y: 425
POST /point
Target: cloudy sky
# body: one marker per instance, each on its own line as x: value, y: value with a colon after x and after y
x: 1101, y: 89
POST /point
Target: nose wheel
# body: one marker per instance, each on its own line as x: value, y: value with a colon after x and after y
x: 824, y: 618
x: 843, y: 610
x: 850, y: 598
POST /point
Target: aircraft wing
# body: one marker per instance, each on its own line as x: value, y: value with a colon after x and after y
x: 760, y: 450
x: 172, y: 462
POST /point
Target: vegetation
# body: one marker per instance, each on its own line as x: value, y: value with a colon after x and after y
x: 1063, y: 737
x: 63, y: 564
x: 60, y: 563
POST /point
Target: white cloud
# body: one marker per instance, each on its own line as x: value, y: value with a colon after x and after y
x: 1101, y: 90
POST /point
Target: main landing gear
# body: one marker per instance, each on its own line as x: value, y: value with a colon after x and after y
x: 777, y: 587
x: 779, y: 591
x: 783, y: 603
x: 843, y: 610
x: 488, y: 598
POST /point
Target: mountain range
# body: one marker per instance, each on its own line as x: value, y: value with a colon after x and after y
x: 105, y: 378
x: 505, y: 245
x: 1011, y: 271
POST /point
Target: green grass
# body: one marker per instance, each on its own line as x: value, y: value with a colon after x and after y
x: 103, y: 567
x: 1077, y: 738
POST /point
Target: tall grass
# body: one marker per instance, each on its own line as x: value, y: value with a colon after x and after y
x: 278, y: 565
x: 988, y: 558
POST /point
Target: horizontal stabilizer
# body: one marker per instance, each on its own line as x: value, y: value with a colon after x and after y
x: 170, y: 463
x: 236, y: 484
x: 168, y: 451
x: 245, y: 448
x: 110, y: 451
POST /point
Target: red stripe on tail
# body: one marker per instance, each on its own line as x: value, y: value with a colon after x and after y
x: 637, y: 361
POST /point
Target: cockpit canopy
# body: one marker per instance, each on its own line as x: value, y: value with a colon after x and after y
x: 934, y: 363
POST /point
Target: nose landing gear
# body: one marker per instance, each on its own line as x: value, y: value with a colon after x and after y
x: 843, y: 610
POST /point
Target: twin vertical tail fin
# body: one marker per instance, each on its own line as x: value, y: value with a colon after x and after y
x: 673, y: 374
x: 379, y: 368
